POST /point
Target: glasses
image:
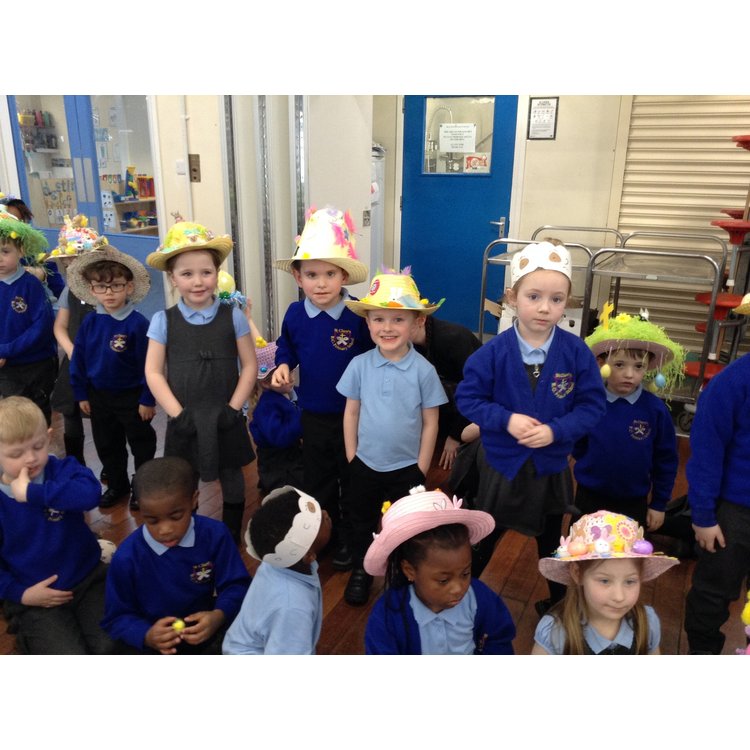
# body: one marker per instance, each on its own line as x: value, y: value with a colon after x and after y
x: 115, y: 286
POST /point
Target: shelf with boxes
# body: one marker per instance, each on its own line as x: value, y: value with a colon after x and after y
x: 129, y: 204
x: 38, y: 131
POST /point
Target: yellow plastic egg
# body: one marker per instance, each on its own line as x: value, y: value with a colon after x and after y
x: 606, y: 371
x: 178, y: 626
x: 225, y: 283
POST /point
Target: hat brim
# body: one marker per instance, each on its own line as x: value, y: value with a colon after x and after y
x: 360, y: 308
x: 223, y: 245
x: 558, y: 568
x: 355, y: 269
x: 82, y: 288
x: 479, y: 523
x: 661, y: 353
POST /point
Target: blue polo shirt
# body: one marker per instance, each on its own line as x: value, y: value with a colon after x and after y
x: 448, y: 632
x: 158, y: 328
x: 392, y: 396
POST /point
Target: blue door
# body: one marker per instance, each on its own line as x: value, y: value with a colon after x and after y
x: 74, y: 155
x: 450, y: 198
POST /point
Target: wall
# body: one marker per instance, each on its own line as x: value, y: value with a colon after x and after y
x: 386, y: 115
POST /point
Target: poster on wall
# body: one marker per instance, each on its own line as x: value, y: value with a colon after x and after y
x: 542, y: 118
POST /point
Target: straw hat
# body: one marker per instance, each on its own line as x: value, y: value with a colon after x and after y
x: 82, y: 288
x: 185, y: 236
x: 301, y: 535
x: 328, y: 235
x: 543, y: 255
x: 76, y: 237
x: 744, y: 307
x: 417, y: 512
x: 604, y: 536
x: 393, y: 291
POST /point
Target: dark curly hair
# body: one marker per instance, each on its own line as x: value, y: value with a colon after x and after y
x: 170, y: 475
x: 272, y: 521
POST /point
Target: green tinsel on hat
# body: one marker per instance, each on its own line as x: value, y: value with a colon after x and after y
x: 666, y: 367
x: 30, y: 240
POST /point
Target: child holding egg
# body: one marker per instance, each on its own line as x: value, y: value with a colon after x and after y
x: 603, y: 563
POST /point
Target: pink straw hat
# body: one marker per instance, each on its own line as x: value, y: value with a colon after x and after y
x: 417, y: 512
x: 604, y: 536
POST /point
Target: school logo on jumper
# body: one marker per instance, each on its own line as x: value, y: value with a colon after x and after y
x: 342, y: 339
x: 53, y: 515
x: 562, y: 384
x: 202, y: 573
x: 639, y: 429
x: 18, y: 304
x: 119, y: 342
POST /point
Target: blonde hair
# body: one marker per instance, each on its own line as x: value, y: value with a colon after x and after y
x: 20, y: 419
x: 572, y: 614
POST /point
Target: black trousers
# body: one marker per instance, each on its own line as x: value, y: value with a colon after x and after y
x: 717, y: 580
x: 590, y: 501
x: 324, y: 464
x: 35, y: 381
x: 115, y: 424
x: 368, y: 490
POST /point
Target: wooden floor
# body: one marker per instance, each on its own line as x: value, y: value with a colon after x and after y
x: 512, y: 571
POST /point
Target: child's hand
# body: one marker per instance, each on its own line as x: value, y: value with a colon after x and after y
x: 654, y: 519
x: 85, y: 407
x: 146, y: 413
x: 708, y: 536
x: 43, y: 595
x: 201, y: 626
x: 449, y: 453
x: 162, y: 637
x: 280, y: 376
x: 538, y: 437
x: 520, y: 424
x: 20, y: 485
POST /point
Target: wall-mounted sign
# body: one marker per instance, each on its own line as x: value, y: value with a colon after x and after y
x: 542, y: 118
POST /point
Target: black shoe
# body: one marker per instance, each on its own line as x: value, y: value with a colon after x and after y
x: 113, y: 497
x: 103, y: 478
x: 342, y: 558
x: 357, y: 590
x: 134, y: 504
x: 543, y: 606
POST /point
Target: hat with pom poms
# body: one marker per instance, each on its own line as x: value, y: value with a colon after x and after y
x: 625, y: 331
x: 390, y: 290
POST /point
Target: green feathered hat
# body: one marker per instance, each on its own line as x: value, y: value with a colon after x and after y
x: 31, y: 241
x: 637, y: 332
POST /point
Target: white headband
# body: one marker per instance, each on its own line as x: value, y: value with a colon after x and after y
x: 542, y: 255
x: 298, y: 540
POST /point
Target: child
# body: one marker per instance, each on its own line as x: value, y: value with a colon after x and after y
x: 28, y: 353
x: 431, y: 604
x: 107, y: 369
x: 74, y: 239
x: 176, y: 583
x: 719, y: 497
x: 633, y: 450
x: 321, y: 336
x: 533, y: 390
x: 603, y: 563
x: 276, y: 425
x: 283, y: 610
x: 51, y: 577
x: 391, y: 419
x: 192, y: 370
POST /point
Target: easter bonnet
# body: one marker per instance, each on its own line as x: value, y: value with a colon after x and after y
x: 31, y: 241
x: 328, y: 235
x: 417, y: 512
x: 390, y: 290
x: 185, y: 236
x: 637, y: 332
x: 301, y: 535
x: 602, y: 536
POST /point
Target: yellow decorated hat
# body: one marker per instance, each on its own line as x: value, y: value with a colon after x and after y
x: 185, y: 236
x: 76, y: 237
x: 395, y: 291
x: 328, y: 235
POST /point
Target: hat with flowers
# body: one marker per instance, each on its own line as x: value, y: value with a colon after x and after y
x: 602, y: 536
x: 185, y: 236
x: 328, y: 235
x: 390, y: 290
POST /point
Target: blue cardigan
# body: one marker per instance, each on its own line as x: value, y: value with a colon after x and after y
x: 569, y: 397
x: 719, y: 463
x: 392, y: 627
